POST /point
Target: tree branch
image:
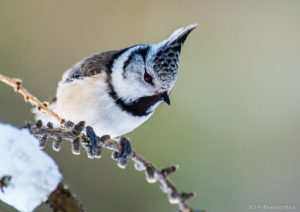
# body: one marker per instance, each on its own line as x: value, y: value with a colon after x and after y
x: 73, y: 133
x: 28, y: 97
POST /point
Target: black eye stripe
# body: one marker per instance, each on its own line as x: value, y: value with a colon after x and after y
x: 126, y: 63
x: 141, y: 51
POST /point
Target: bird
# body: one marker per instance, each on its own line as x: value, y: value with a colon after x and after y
x: 116, y: 91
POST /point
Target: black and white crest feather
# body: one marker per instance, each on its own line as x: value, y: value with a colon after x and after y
x: 167, y: 57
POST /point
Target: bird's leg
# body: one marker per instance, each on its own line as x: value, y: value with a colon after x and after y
x: 90, y: 133
x: 124, y: 153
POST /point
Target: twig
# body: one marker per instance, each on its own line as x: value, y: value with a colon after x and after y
x: 74, y: 134
x: 61, y: 199
x: 28, y: 97
x: 152, y: 173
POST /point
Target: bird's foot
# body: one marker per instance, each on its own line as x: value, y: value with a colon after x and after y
x: 93, y: 148
x: 123, y: 155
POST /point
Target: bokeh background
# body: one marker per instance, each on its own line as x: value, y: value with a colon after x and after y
x: 233, y: 126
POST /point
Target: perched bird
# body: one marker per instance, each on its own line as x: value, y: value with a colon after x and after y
x: 116, y: 91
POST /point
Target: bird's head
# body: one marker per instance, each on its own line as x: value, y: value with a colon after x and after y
x: 149, y: 70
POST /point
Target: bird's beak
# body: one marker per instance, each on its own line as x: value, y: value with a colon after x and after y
x: 165, y: 97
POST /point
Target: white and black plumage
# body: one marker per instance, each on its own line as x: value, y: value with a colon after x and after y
x: 116, y: 91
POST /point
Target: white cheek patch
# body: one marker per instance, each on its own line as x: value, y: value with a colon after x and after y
x: 129, y: 88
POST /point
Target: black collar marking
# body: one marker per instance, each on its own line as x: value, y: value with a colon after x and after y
x: 139, y: 107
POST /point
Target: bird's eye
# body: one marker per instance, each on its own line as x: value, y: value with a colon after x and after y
x: 148, y: 78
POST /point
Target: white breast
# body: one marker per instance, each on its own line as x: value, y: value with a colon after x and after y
x: 88, y: 100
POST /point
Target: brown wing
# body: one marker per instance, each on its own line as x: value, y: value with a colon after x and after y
x: 93, y: 65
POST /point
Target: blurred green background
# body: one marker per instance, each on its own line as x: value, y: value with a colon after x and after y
x: 233, y: 126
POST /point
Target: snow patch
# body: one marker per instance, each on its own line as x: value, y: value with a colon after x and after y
x: 34, y: 174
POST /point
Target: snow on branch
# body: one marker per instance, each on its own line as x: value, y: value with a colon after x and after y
x: 94, y: 144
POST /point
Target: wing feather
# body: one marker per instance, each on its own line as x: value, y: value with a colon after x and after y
x: 92, y: 65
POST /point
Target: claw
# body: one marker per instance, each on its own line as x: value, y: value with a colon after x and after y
x: 124, y: 153
x: 93, y: 139
x: 92, y: 136
x: 125, y: 148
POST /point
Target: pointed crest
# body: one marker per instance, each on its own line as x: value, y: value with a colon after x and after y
x: 167, y: 56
